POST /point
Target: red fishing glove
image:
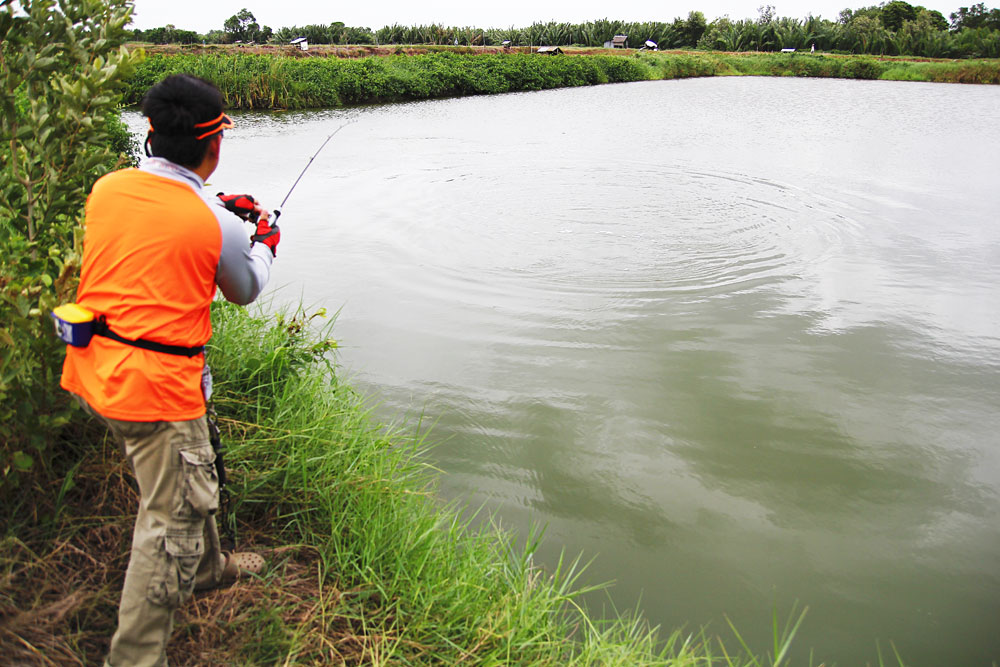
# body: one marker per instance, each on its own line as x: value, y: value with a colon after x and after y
x: 267, y: 234
x: 244, y: 206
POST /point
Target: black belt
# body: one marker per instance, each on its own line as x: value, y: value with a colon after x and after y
x: 101, y: 329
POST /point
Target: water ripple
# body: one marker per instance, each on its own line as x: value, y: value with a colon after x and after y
x: 678, y: 233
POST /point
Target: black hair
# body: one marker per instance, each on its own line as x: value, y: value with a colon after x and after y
x: 173, y: 107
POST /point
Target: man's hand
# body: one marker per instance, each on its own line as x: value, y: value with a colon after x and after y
x: 244, y: 206
x: 267, y: 234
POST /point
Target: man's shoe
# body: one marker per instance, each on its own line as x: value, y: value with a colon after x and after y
x: 240, y: 564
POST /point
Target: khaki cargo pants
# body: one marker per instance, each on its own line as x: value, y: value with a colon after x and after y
x: 175, y: 546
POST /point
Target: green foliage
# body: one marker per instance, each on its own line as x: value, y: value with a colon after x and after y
x: 122, y: 147
x: 935, y: 18
x: 897, y: 28
x: 897, y: 12
x: 668, y: 65
x: 335, y: 33
x: 592, y: 34
x: 168, y: 34
x: 861, y: 68
x: 243, y: 27
x: 974, y: 17
x: 263, y: 81
x: 682, y: 66
x: 692, y: 30
x: 979, y: 43
x: 876, y: 30
x: 62, y: 68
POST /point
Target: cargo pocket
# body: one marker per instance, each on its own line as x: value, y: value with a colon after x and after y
x: 199, y: 488
x: 173, y: 580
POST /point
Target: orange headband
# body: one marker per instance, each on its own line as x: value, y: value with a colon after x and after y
x: 223, y: 122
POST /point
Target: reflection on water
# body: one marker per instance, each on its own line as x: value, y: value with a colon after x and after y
x: 737, y: 339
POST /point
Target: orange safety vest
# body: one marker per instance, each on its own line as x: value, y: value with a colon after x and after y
x: 150, y: 252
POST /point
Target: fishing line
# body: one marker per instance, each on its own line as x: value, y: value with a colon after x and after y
x: 277, y: 211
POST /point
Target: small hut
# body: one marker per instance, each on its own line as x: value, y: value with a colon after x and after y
x: 301, y: 42
x: 619, y: 42
x: 549, y: 50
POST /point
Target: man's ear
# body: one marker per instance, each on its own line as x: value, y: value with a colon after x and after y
x: 211, y: 158
x: 215, y: 145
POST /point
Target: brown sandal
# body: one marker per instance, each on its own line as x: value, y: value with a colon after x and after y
x: 240, y: 564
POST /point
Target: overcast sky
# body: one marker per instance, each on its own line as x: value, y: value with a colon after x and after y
x: 204, y: 15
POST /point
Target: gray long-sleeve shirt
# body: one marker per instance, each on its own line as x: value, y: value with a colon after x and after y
x: 243, y: 270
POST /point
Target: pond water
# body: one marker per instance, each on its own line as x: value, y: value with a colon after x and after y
x: 735, y: 339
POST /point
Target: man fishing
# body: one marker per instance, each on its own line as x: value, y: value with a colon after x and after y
x: 155, y: 249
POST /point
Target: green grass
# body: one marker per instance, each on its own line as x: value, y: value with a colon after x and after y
x: 272, y: 82
x: 670, y: 65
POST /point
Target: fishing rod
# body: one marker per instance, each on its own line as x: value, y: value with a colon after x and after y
x: 277, y: 211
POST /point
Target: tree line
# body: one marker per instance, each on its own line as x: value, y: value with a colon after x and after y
x: 892, y: 28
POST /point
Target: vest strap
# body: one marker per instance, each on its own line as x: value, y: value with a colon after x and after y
x: 101, y: 329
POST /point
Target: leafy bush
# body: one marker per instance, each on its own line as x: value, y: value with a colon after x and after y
x: 815, y: 66
x: 861, y: 68
x: 59, y: 132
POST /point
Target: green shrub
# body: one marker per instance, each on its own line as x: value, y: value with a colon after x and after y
x: 815, y: 66
x: 58, y: 133
x: 861, y: 68
x: 902, y: 72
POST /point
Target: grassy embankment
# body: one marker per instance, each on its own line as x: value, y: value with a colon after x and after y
x: 263, y: 81
x: 366, y: 566
x: 841, y: 66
